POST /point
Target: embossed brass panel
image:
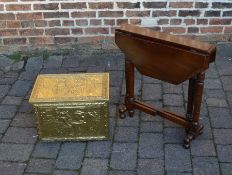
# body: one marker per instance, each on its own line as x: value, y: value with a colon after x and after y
x: 71, y: 106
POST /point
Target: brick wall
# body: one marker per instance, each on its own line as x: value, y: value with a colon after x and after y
x: 36, y: 22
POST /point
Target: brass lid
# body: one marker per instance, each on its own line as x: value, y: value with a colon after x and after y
x: 70, y: 87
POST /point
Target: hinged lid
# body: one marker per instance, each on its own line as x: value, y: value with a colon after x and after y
x: 70, y: 87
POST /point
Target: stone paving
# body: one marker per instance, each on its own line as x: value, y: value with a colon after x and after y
x: 143, y: 145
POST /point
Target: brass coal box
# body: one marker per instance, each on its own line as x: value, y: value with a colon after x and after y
x: 71, y: 106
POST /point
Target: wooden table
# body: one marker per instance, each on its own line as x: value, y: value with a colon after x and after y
x: 168, y: 58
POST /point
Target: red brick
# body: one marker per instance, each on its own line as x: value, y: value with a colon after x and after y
x: 2, y: 24
x: 227, y: 13
x: 156, y: 28
x: 14, y: 41
x: 8, y: 0
x: 181, y: 4
x: 56, y: 15
x: 201, y: 4
x: 211, y: 13
x: 184, y: 13
x: 13, y: 24
x: 28, y: 24
x: 54, y: 23
x: 128, y: 5
x: 163, y: 21
x: 155, y: 4
x: 29, y: 16
x: 202, y: 21
x: 40, y: 23
x: 175, y: 21
x: 189, y: 21
x: 94, y: 31
x: 48, y: 6
x: 77, y: 31
x: 101, y: 5
x: 122, y: 21
x: 1, y: 7
x: 211, y: 29
x: 219, y: 21
x: 31, y: 32
x: 68, y: 23
x: 95, y: 22
x: 41, y: 40
x: 85, y: 14
x: 81, y: 22
x: 228, y: 30
x: 193, y: 30
x: 135, y: 21
x: 137, y: 13
x: 65, y: 40
x: 8, y: 32
x: 18, y: 7
x: 221, y: 5
x: 77, y: 5
x: 110, y: 13
x: 174, y: 30
x: 57, y: 31
x: 7, y: 16
x: 164, y: 13
x: 110, y: 22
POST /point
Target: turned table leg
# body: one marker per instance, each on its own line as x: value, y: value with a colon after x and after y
x: 191, y: 85
x: 129, y: 98
x: 195, y: 128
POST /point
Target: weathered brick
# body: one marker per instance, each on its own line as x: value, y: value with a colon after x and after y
x: 65, y: 40
x: 110, y: 13
x: 56, y: 14
x: 128, y: 5
x: 135, y: 21
x: 41, y: 40
x: 175, y: 21
x: 176, y: 30
x: 82, y: 22
x: 219, y: 21
x: 164, y: 13
x: 95, y: 22
x: 110, y: 22
x: 221, y: 5
x: 8, y: 32
x: 92, y: 31
x: 163, y: 21
x: 18, y: 7
x: 47, y: 6
x: 29, y: 16
x: 201, y: 4
x: 181, y: 4
x: 212, y: 13
x: 154, y: 4
x: 122, y: 21
x: 85, y: 14
x: 227, y: 13
x: 13, y: 24
x: 185, y: 13
x: 76, y: 5
x: 193, y: 30
x: 211, y: 29
x: 228, y: 29
x: 54, y: 23
x: 7, y: 16
x: 68, y: 23
x: 40, y: 23
x: 101, y: 5
x: 202, y: 21
x: 137, y: 13
x: 31, y: 32
x: 189, y: 21
x: 57, y: 31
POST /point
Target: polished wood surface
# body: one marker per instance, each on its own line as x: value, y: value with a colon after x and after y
x: 171, y: 59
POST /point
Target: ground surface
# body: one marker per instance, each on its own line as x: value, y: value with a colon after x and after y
x: 142, y: 145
